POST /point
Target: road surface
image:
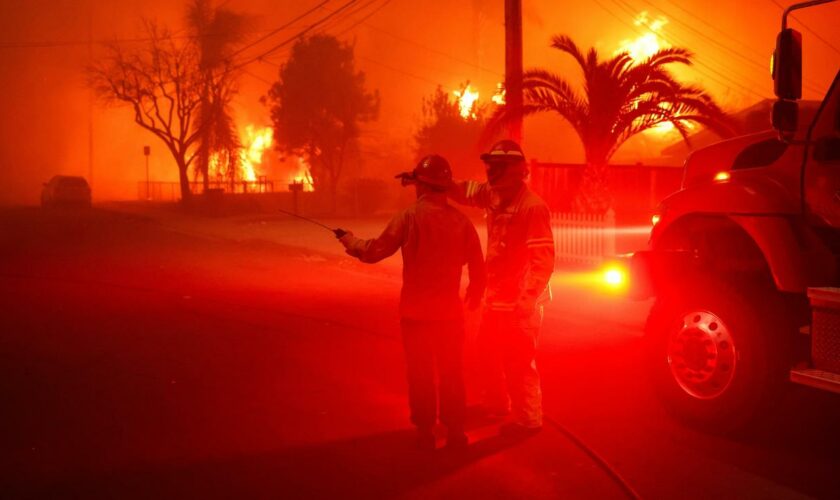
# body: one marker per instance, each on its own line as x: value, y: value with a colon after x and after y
x: 155, y: 355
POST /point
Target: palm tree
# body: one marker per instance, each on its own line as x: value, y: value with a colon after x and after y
x: 216, y: 32
x: 621, y: 98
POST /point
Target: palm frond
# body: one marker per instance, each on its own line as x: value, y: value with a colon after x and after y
x: 545, y: 79
x: 565, y: 44
x: 670, y: 55
x: 620, y: 98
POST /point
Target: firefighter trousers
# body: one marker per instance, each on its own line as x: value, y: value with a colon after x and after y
x: 430, y: 344
x: 507, y: 344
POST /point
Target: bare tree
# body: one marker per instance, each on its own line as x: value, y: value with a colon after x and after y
x: 159, y: 81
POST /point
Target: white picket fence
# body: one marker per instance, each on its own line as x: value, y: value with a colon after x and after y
x: 583, y: 238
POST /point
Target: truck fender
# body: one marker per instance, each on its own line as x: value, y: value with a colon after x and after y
x: 753, y: 193
x: 796, y: 257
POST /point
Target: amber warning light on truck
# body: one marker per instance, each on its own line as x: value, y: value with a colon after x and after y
x: 614, y: 277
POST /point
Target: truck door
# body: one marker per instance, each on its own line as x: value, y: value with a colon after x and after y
x: 822, y: 164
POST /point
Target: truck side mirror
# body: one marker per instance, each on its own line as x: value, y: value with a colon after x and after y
x: 787, y: 65
x: 827, y: 150
x: 785, y: 117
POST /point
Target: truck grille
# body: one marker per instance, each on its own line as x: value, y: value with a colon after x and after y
x: 825, y: 328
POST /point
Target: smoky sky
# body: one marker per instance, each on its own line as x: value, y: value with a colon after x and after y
x: 406, y: 48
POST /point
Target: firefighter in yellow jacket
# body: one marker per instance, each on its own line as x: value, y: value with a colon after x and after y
x: 520, y: 261
x: 436, y: 241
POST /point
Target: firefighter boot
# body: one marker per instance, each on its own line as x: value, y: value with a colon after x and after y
x: 426, y: 440
x: 456, y: 440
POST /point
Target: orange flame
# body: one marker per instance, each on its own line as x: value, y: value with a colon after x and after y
x: 254, y: 144
x: 499, y: 97
x: 642, y: 48
x: 646, y: 44
x: 303, y: 175
x: 466, y: 102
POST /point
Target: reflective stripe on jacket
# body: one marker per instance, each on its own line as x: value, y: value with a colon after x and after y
x: 520, y: 246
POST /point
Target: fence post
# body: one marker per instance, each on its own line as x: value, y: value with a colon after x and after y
x: 609, y: 233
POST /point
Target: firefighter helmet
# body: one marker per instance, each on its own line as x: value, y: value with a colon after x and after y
x: 433, y: 170
x: 504, y: 151
x: 505, y: 164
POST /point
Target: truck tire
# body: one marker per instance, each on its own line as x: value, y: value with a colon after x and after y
x: 716, y: 354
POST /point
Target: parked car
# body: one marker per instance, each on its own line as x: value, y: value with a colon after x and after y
x: 65, y: 190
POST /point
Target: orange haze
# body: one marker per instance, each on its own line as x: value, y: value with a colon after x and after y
x: 406, y: 49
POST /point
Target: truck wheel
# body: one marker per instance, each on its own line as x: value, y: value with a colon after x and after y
x: 715, y: 354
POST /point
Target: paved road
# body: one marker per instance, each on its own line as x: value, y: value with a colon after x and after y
x: 157, y: 356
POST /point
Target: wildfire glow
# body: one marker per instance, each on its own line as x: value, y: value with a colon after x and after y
x: 466, y: 102
x: 303, y: 175
x: 499, y: 97
x: 642, y: 48
x: 646, y: 44
x: 254, y: 144
x: 254, y: 141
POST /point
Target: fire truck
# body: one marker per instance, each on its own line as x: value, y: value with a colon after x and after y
x: 744, y: 262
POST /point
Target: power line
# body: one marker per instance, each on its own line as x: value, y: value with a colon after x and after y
x: 433, y: 50
x: 362, y: 20
x: 79, y: 42
x: 808, y: 29
x: 700, y: 63
x: 629, y: 9
x: 340, y: 19
x: 279, y: 28
x: 71, y: 43
x: 400, y: 71
x: 296, y: 36
x: 257, y: 77
x: 376, y: 62
x: 715, y: 28
x: 761, y: 68
x: 335, y: 21
x: 348, y: 15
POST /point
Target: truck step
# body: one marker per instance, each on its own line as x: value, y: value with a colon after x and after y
x: 818, y: 379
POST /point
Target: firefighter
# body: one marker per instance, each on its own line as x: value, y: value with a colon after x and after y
x: 520, y: 261
x: 436, y: 241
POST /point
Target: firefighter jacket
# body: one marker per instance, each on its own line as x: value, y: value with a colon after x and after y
x: 437, y: 240
x: 520, y: 246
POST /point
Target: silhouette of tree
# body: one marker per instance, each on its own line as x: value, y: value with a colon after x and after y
x: 445, y: 132
x: 159, y: 82
x: 317, y: 105
x: 621, y: 98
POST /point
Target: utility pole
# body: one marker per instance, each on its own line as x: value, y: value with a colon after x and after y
x: 90, y: 101
x: 513, y: 65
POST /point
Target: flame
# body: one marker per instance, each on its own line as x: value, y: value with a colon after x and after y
x: 303, y: 175
x: 215, y: 167
x: 499, y: 97
x: 254, y: 144
x: 642, y: 48
x: 255, y: 141
x: 647, y: 44
x: 466, y: 102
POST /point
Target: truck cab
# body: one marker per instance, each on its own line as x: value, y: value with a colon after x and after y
x: 744, y: 263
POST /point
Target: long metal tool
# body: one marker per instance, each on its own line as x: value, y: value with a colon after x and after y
x: 337, y: 232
